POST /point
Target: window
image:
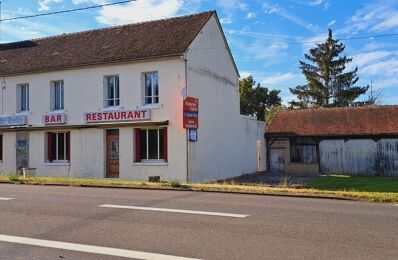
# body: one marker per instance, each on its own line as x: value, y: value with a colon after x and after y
x: 151, y: 85
x: 23, y: 98
x: 151, y: 145
x: 1, y: 148
x: 57, y: 95
x: 303, y: 150
x: 58, y: 147
x: 112, y: 98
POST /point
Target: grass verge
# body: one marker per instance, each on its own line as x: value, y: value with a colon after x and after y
x: 356, y: 183
x: 317, y: 188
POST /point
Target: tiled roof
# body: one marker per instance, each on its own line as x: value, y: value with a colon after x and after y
x: 161, y: 38
x: 370, y: 120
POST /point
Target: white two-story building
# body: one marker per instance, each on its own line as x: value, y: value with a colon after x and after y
x: 108, y: 103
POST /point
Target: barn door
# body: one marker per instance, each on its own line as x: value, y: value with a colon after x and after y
x: 112, y: 153
x: 277, y: 161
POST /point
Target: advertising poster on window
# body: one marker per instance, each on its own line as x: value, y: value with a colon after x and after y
x: 191, y: 113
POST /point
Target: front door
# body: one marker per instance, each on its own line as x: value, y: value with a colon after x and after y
x: 22, y: 150
x: 112, y: 153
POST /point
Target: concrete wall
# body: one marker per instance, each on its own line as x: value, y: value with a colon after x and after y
x: 227, y: 145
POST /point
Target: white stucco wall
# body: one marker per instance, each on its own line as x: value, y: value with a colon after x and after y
x: 227, y: 145
x: 228, y: 141
x: 84, y: 93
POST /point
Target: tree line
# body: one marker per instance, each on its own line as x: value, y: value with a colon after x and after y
x: 328, y: 84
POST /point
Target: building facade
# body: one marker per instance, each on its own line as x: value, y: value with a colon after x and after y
x: 359, y: 141
x: 108, y: 103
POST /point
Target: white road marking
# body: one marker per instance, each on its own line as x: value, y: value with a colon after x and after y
x: 6, y: 198
x: 89, y: 249
x: 221, y: 214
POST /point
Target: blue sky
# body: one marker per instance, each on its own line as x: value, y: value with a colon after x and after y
x: 266, y: 36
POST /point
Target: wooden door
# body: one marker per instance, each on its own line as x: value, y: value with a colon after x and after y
x: 112, y: 153
x: 277, y: 161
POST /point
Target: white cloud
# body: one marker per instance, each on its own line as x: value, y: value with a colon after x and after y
x: 331, y: 23
x: 226, y: 20
x: 375, y: 16
x: 139, y: 11
x: 244, y: 74
x: 44, y: 5
x: 280, y: 79
x: 250, y: 15
x: 271, y: 8
x: 315, y: 2
x: 363, y: 59
x: 386, y: 68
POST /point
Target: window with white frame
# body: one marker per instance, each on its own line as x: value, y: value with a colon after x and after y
x: 151, y: 145
x: 23, y: 98
x: 57, y: 95
x: 112, y: 96
x: 151, y: 88
x: 58, y: 147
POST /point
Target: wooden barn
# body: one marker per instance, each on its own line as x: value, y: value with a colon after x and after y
x: 360, y: 141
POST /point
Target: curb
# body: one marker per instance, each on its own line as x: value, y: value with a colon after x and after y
x: 276, y: 194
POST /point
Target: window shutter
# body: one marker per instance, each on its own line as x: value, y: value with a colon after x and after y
x: 165, y: 143
x: 18, y: 99
x: 68, y: 146
x: 52, y: 97
x: 105, y: 92
x: 137, y: 145
x: 49, y: 147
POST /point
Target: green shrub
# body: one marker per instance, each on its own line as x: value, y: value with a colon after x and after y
x: 175, y: 184
x: 15, y: 176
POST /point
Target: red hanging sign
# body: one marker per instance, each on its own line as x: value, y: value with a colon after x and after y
x: 191, y: 113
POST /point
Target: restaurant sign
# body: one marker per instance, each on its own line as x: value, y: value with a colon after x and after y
x: 191, y: 113
x: 54, y: 119
x: 13, y: 121
x: 116, y: 116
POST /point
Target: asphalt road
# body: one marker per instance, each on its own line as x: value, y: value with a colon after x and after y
x: 275, y: 228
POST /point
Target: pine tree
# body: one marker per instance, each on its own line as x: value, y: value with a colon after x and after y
x: 327, y: 82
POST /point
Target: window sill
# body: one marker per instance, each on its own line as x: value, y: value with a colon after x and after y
x: 23, y: 113
x: 150, y: 164
x: 57, y: 164
x: 151, y: 106
x: 56, y: 112
x: 114, y: 108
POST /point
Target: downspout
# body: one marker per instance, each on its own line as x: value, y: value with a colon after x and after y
x: 184, y: 57
x: 3, y: 87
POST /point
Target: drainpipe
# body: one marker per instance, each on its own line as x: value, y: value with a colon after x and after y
x: 3, y: 87
x: 184, y: 57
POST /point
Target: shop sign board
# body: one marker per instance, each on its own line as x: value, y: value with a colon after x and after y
x: 116, y: 116
x: 191, y: 113
x: 13, y: 121
x: 54, y: 119
x: 193, y: 135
